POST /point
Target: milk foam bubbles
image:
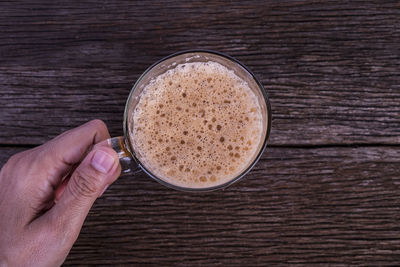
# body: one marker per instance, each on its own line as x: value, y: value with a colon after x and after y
x: 197, y: 125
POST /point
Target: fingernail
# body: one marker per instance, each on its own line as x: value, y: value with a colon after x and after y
x: 102, y: 161
x: 104, y: 190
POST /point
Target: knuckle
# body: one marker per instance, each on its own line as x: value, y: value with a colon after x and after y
x: 98, y: 124
x: 84, y: 185
x: 16, y: 163
x: 15, y: 158
x: 43, y: 151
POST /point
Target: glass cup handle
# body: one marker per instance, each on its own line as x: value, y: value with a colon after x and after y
x: 128, y: 163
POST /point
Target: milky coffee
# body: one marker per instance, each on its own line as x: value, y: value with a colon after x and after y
x: 197, y: 125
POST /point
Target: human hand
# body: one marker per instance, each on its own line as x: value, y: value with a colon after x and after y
x: 42, y: 204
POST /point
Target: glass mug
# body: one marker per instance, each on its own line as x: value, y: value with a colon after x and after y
x: 130, y: 163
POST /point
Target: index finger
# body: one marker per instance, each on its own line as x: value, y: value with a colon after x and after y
x: 66, y: 150
x: 71, y: 146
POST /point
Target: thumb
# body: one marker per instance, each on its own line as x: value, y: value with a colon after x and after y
x: 95, y: 173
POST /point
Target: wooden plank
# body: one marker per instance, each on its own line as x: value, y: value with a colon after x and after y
x: 326, y: 206
x: 330, y: 68
x: 298, y: 206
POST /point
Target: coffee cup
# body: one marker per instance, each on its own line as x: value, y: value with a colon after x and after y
x: 210, y: 137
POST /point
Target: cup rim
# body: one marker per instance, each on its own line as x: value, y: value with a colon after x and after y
x: 203, y: 189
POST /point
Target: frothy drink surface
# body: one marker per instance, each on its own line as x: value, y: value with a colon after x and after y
x: 197, y: 125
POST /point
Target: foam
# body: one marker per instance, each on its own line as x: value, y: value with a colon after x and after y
x: 197, y: 125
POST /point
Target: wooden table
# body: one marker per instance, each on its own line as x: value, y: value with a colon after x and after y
x: 327, y: 189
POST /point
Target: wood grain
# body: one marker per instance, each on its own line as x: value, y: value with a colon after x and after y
x: 326, y: 192
x: 331, y: 68
x: 298, y: 206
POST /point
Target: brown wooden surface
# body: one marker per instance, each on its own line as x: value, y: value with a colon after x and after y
x: 326, y: 205
x: 326, y: 190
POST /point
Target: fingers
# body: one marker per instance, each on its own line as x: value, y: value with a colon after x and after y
x: 67, y: 149
x: 96, y: 172
x: 70, y: 146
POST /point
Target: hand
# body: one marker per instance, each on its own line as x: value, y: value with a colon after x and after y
x: 44, y: 201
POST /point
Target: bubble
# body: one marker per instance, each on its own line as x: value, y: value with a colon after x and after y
x: 191, y: 106
x: 199, y: 148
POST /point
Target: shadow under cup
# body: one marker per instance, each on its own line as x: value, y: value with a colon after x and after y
x: 130, y: 160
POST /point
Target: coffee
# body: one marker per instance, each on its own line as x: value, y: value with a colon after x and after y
x: 197, y: 125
